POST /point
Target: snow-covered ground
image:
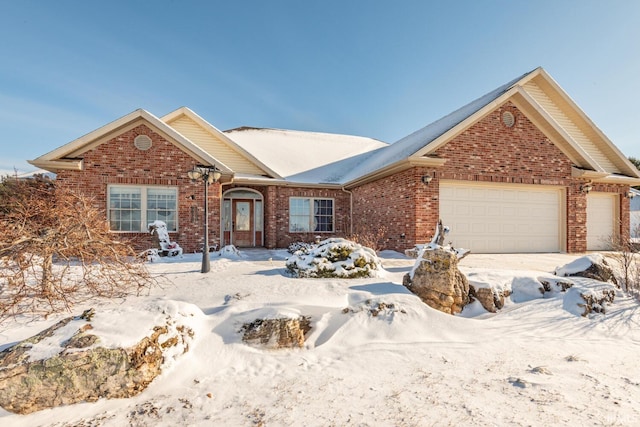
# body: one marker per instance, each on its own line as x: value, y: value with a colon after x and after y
x: 533, y: 363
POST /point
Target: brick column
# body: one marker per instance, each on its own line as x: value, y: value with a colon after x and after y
x: 270, y: 220
x: 576, y: 218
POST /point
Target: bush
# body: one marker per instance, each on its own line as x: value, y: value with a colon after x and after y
x: 300, y: 246
x: 335, y: 257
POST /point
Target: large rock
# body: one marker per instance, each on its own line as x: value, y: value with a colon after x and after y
x: 491, y: 299
x: 79, y: 369
x: 438, y: 282
x: 587, y: 299
x: 277, y: 333
x: 593, y: 266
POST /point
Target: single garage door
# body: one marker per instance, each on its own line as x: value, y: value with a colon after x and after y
x: 502, y: 218
x: 601, y: 214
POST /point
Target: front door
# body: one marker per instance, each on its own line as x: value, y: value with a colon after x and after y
x: 242, y: 223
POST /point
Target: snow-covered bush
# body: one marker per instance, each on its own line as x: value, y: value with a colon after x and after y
x: 300, y: 246
x: 335, y: 257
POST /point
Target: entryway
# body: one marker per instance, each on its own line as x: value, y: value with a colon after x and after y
x: 242, y: 218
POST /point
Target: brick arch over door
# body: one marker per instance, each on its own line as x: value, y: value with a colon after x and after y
x: 242, y: 217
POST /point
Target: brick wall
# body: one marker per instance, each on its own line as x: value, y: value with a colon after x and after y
x: 118, y: 161
x: 395, y: 204
x: 277, y: 214
x: 400, y: 204
x: 488, y: 151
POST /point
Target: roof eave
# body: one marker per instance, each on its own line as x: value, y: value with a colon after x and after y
x: 630, y: 167
x: 619, y: 180
x: 55, y: 166
x: 396, y: 167
x: 584, y: 156
x: 281, y: 182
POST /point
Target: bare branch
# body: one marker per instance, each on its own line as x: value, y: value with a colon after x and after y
x: 56, y: 250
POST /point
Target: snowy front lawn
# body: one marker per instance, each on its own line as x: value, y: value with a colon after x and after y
x: 375, y: 354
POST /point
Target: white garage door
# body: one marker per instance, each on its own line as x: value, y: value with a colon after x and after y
x: 502, y: 218
x: 601, y: 213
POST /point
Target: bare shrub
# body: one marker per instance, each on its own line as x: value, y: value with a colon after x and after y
x: 628, y: 259
x: 374, y: 239
x: 56, y: 250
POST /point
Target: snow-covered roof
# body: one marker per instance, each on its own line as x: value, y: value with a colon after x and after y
x: 315, y: 158
x: 338, y: 159
x: 420, y: 139
x: 301, y: 156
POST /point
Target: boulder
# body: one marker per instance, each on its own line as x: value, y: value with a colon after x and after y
x: 584, y: 300
x: 491, y: 299
x: 593, y: 266
x: 438, y: 282
x: 277, y: 333
x: 79, y: 369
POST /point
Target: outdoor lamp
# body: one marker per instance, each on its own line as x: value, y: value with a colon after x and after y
x: 586, y: 188
x: 208, y: 175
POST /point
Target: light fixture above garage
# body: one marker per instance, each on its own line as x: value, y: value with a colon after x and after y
x: 426, y: 179
x: 586, y: 187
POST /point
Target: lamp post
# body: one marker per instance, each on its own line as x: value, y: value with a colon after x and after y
x: 208, y: 176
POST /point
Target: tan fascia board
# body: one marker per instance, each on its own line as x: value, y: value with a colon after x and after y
x: 604, y: 139
x: 186, y: 111
x: 57, y: 165
x: 529, y: 111
x: 619, y: 179
x: 563, y: 134
x: 259, y: 181
x: 604, y: 177
x: 587, y: 174
x: 395, y: 168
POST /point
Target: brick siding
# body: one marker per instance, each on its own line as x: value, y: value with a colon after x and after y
x: 488, y: 151
x: 400, y: 204
x: 118, y: 161
x: 277, y: 234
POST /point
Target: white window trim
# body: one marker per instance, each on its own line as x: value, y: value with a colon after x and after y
x: 143, y: 206
x: 311, y: 215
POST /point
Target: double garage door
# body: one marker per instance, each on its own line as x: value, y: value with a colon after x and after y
x: 502, y: 218
x: 510, y: 218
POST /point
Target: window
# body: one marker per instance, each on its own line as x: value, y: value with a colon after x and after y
x: 132, y: 208
x: 310, y: 215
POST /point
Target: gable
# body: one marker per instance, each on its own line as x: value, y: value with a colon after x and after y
x: 69, y: 156
x: 544, y: 103
x: 519, y: 153
x: 212, y: 143
x: 570, y: 121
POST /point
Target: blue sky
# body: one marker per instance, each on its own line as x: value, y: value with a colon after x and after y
x: 381, y: 69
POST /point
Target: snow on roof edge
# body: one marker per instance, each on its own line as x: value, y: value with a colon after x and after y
x: 415, y: 141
